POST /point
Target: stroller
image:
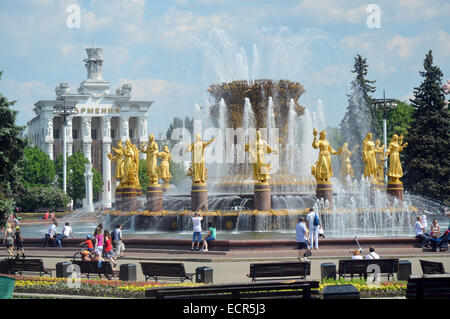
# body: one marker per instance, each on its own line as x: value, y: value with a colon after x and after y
x: 438, y: 244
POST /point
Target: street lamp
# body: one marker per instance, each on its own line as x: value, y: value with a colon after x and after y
x: 385, y: 105
x: 64, y: 111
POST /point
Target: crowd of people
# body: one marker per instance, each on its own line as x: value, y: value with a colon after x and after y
x: 435, y: 239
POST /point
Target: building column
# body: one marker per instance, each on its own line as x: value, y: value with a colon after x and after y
x: 49, y: 137
x: 87, y: 139
x: 142, y: 134
x: 69, y: 136
x: 89, y: 201
x: 124, y: 124
x: 106, y: 169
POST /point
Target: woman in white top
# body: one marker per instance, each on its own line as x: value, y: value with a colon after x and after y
x: 67, y: 231
x: 435, y: 229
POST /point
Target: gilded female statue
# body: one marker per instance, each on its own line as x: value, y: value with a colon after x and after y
x: 395, y: 166
x: 164, y: 167
x: 257, y: 153
x: 379, y: 155
x: 131, y: 166
x: 322, y: 171
x: 346, y: 166
x: 198, y: 169
x: 118, y: 159
x: 152, y: 150
x: 369, y: 159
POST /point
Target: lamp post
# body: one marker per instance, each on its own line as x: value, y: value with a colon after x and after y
x: 385, y: 105
x: 64, y: 111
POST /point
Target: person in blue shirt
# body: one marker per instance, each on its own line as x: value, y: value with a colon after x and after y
x: 301, y: 236
x: 211, y: 236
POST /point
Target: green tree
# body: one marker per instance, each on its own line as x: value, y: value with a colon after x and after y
x: 36, y: 197
x: 37, y: 169
x: 143, y: 176
x: 427, y: 156
x: 398, y: 119
x: 75, y: 176
x: 178, y: 172
x: 12, y: 145
x: 178, y: 122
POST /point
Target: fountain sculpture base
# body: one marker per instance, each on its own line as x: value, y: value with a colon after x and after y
x: 262, y: 197
x: 199, y: 197
x: 325, y: 191
x: 128, y: 199
x: 154, y: 198
x: 395, y: 189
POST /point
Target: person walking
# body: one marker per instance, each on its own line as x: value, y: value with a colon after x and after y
x: 116, y: 237
x: 109, y: 253
x: 197, y: 228
x: 8, y: 240
x: 19, y: 243
x: 301, y: 236
x: 313, y: 226
x: 99, y: 240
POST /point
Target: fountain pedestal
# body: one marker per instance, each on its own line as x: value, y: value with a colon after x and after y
x: 154, y: 198
x: 128, y: 199
x: 325, y: 191
x: 395, y: 189
x: 199, y: 197
x: 262, y: 197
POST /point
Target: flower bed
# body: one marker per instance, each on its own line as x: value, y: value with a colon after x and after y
x: 384, y: 289
x: 88, y: 287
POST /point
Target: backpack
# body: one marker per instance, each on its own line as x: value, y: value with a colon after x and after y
x: 316, y: 220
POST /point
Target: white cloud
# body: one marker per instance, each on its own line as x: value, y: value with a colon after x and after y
x: 330, y: 11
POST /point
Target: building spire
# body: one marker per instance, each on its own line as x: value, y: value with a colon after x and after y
x: 94, y: 63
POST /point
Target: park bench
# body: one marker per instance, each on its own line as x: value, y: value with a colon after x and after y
x: 432, y: 267
x: 88, y: 268
x: 360, y: 267
x: 289, y: 289
x: 166, y: 270
x: 28, y: 265
x: 436, y: 286
x: 281, y: 269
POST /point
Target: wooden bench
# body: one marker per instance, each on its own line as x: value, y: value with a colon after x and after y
x: 28, y: 265
x: 432, y: 267
x: 166, y: 270
x: 435, y: 286
x: 360, y: 266
x: 290, y: 289
x: 282, y: 269
x: 91, y: 268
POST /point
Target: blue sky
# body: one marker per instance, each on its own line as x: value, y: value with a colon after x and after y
x: 159, y: 47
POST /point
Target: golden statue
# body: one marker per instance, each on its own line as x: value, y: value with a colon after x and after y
x: 131, y: 166
x: 369, y: 159
x: 346, y: 166
x: 395, y: 171
x: 164, y: 167
x: 379, y: 156
x: 118, y: 159
x: 322, y: 169
x: 152, y: 150
x: 197, y: 171
x: 257, y: 152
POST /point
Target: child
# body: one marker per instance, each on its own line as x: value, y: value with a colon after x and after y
x: 211, y: 236
x: 88, y: 242
x: 109, y: 253
x: 19, y: 243
x: 85, y: 256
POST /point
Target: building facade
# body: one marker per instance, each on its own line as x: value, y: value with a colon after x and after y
x: 99, y: 121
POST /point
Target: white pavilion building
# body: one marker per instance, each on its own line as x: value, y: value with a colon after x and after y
x: 100, y: 120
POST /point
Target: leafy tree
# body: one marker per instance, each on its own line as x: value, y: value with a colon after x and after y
x: 178, y: 122
x: 427, y: 156
x: 143, y: 176
x: 12, y: 145
x: 398, y: 119
x: 178, y: 172
x: 37, y: 169
x: 75, y: 176
x: 36, y: 197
